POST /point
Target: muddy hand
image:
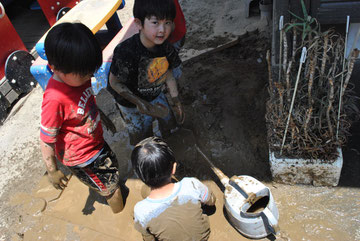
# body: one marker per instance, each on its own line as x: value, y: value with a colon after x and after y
x: 143, y: 107
x: 57, y: 179
x: 156, y: 110
x: 180, y: 114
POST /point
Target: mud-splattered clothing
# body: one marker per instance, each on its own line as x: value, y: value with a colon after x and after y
x: 140, y: 126
x: 100, y: 172
x: 177, y: 217
x: 70, y: 119
x: 142, y: 71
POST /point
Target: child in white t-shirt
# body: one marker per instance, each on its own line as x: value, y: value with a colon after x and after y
x: 172, y: 211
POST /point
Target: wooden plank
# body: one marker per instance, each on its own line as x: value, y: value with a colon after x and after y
x: 315, y: 4
x: 337, y: 1
x: 336, y: 12
x: 93, y: 13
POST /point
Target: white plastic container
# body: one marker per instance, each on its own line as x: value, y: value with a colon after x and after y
x: 249, y: 205
x: 252, y: 210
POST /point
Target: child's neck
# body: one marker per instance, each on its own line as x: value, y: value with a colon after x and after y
x: 146, y: 43
x: 57, y: 78
x: 162, y: 192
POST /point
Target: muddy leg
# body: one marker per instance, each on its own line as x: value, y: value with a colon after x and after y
x: 167, y: 124
x: 116, y: 201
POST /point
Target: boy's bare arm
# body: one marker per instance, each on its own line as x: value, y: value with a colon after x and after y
x: 174, y: 93
x: 56, y: 177
x: 211, y: 198
x: 142, y: 105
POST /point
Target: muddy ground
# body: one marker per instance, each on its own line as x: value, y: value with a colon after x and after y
x: 224, y: 95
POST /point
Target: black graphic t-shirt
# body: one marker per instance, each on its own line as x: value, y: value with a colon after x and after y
x: 141, y: 70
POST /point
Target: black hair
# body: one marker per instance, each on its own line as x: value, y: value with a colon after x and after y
x: 161, y: 9
x: 153, y: 160
x: 73, y: 48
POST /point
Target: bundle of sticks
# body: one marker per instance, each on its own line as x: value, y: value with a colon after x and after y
x: 311, y: 102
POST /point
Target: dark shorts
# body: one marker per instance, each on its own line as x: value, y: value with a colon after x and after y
x: 102, y: 174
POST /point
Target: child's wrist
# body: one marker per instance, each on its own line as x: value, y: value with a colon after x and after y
x: 176, y: 99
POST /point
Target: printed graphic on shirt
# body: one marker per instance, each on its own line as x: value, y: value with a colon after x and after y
x: 157, y: 70
x: 83, y: 100
x: 153, y: 73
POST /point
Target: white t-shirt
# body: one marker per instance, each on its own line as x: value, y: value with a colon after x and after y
x: 177, y: 217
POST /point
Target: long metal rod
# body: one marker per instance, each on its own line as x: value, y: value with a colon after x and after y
x: 281, y: 25
x: 223, y: 178
x: 342, y: 79
x: 302, y: 60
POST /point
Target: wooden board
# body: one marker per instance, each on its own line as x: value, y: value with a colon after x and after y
x: 336, y: 11
x: 93, y: 13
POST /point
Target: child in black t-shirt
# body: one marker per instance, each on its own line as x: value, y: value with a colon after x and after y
x: 142, y: 65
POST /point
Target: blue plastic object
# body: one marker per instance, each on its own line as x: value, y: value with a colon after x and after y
x: 101, y: 78
x: 40, y: 49
x: 35, y: 6
x: 42, y: 74
x: 122, y: 5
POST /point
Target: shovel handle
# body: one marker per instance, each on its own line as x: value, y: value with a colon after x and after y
x: 273, y: 223
x: 223, y: 178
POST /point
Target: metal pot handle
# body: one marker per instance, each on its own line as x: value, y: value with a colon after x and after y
x: 2, y: 13
x: 271, y: 221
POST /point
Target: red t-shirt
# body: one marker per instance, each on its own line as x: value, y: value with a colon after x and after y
x: 180, y: 25
x: 70, y: 119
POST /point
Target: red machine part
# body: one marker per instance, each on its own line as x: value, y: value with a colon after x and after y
x: 51, y: 8
x: 10, y: 43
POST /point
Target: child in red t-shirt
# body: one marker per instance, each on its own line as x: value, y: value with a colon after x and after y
x: 177, y: 37
x: 71, y: 130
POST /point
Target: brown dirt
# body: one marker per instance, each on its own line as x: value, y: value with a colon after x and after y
x: 224, y: 95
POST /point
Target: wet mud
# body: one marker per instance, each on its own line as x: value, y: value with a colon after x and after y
x: 224, y: 96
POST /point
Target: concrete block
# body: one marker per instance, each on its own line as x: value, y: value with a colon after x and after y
x: 12, y: 96
x: 119, y: 141
x: 4, y: 103
x: 5, y: 87
x: 301, y: 171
